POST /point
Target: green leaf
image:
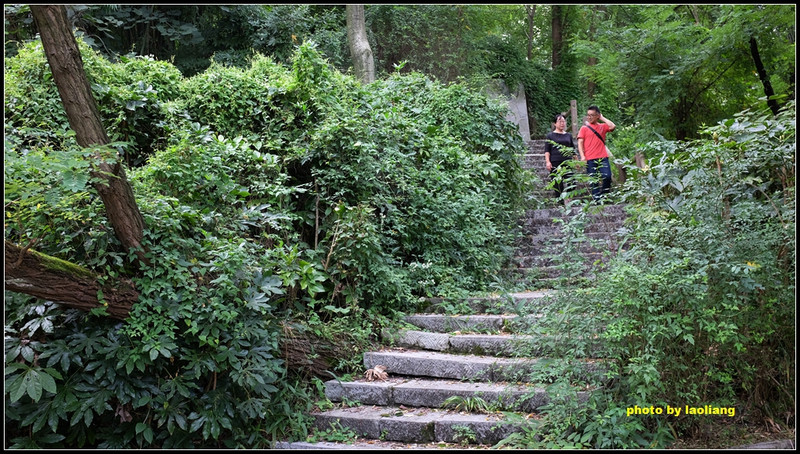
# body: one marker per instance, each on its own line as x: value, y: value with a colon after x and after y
x: 148, y: 435
x: 16, y: 388
x: 49, y: 438
x: 33, y: 384
x: 75, y: 181
x: 48, y: 383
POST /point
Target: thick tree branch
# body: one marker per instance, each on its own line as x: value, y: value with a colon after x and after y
x: 50, y: 278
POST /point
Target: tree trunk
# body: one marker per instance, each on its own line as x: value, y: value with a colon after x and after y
x: 556, y: 32
x: 592, y: 61
x: 360, y: 50
x: 762, y: 74
x: 73, y: 86
x: 531, y: 10
x: 50, y: 278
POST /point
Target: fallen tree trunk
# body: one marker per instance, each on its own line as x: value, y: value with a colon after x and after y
x: 50, y: 278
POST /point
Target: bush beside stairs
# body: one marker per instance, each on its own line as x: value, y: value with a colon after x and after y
x: 455, y: 380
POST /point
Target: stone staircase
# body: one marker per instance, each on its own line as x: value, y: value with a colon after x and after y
x: 466, y: 360
x: 544, y: 252
x: 453, y: 379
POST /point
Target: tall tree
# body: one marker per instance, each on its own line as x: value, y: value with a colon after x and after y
x: 531, y: 12
x: 360, y: 50
x: 66, y: 64
x: 557, y: 33
x: 597, y: 14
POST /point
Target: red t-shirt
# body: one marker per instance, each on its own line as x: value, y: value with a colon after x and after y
x: 593, y: 147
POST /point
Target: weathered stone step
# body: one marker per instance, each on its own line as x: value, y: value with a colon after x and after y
x: 585, y: 252
x: 553, y: 229
x: 438, y: 323
x: 556, y: 217
x: 372, y: 445
x: 545, y: 261
x: 433, y: 364
x: 434, y: 393
x: 476, y: 344
x: 494, y: 304
x: 416, y: 425
x: 548, y: 275
x: 556, y: 237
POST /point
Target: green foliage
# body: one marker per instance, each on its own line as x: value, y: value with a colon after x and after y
x: 336, y: 434
x: 464, y: 435
x: 279, y: 203
x: 699, y: 310
x: 402, y: 33
x: 696, y: 62
x: 472, y: 404
x: 547, y: 92
x: 33, y: 109
x: 130, y: 96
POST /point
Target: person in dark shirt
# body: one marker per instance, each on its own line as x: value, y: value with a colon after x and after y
x: 558, y: 149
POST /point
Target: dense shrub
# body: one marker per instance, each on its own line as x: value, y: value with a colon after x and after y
x: 130, y: 96
x: 280, y: 204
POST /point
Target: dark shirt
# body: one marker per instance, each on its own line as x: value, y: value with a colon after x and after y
x: 565, y: 140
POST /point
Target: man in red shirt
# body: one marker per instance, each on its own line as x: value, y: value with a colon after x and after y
x: 592, y: 149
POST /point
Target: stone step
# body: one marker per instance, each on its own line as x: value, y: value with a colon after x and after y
x: 595, y: 234
x: 502, y: 345
x: 584, y: 251
x: 417, y: 425
x: 550, y: 276
x: 475, y: 344
x: 438, y: 323
x: 546, y: 261
x: 608, y: 213
x: 554, y: 226
x: 492, y: 304
x: 434, y: 393
x: 371, y: 445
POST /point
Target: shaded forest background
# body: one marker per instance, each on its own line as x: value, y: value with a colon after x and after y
x: 659, y: 69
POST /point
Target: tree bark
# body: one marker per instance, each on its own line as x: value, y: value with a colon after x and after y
x: 762, y: 74
x: 531, y: 10
x: 360, y: 50
x: 592, y: 61
x: 556, y: 32
x: 50, y: 278
x: 66, y: 64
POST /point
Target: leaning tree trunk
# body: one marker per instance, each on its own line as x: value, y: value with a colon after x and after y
x: 73, y: 86
x: 50, y: 278
x: 762, y: 74
x: 360, y: 50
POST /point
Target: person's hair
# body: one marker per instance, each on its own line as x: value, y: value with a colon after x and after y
x: 595, y: 108
x: 555, y: 119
